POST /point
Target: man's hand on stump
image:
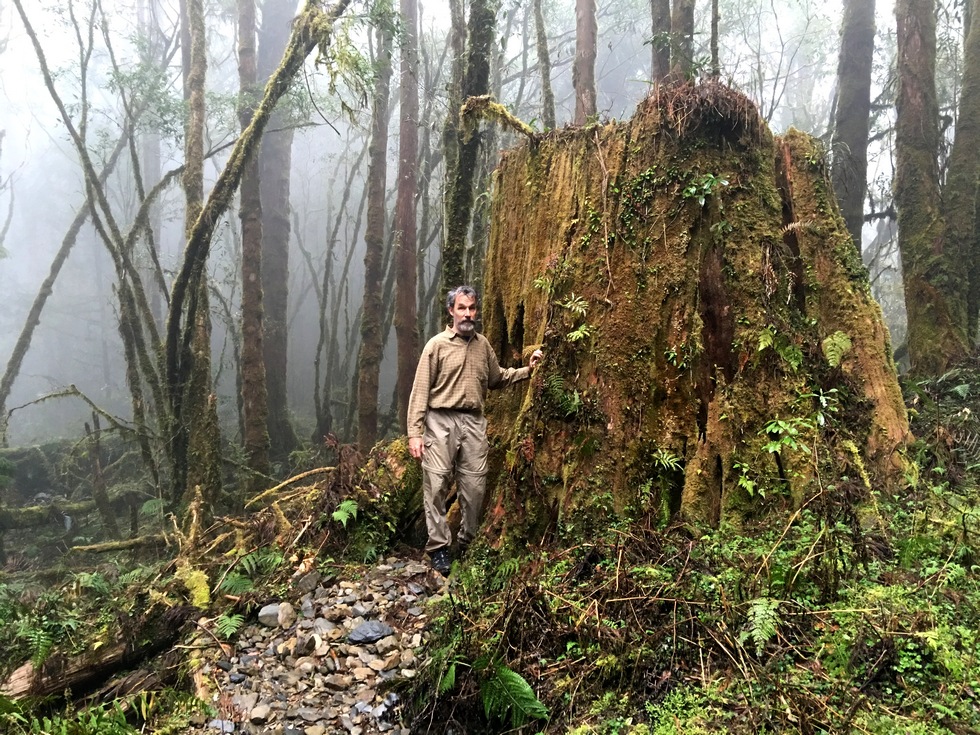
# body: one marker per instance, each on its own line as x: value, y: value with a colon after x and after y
x: 535, y: 358
x: 416, y: 447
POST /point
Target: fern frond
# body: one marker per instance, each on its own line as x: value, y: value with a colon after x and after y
x: 346, y: 511
x: 228, y: 625
x: 762, y: 624
x: 236, y: 584
x: 835, y: 347
x: 505, y: 691
x: 507, y: 569
x: 448, y: 680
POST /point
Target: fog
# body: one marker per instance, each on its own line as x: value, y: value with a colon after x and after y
x: 786, y: 62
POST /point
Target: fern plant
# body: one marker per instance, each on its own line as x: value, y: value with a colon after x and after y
x: 227, y: 625
x: 507, y: 693
x: 345, y: 512
x: 762, y: 623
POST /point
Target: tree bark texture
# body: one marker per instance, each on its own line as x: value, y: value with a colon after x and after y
x: 481, y: 28
x: 676, y: 326
x: 255, y: 438
x: 659, y: 40
x: 275, y: 162
x: 583, y: 68
x: 853, y: 114
x: 406, y: 237
x: 960, y: 194
x: 935, y: 285
x: 372, y: 308
x: 682, y: 39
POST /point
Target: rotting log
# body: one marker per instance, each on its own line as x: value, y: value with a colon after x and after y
x: 39, y: 515
x: 712, y: 349
x: 80, y: 673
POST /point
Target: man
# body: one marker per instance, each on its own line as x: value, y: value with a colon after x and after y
x: 446, y: 426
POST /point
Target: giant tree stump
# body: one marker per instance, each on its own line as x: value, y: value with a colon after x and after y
x: 713, y: 351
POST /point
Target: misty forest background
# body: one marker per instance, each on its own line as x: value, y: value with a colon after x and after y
x: 117, y: 69
x: 227, y: 229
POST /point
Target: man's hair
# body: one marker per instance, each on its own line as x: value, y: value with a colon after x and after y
x: 461, y: 291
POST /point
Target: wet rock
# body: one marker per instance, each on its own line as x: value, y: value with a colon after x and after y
x: 370, y: 631
x: 260, y: 714
x: 269, y: 615
x: 287, y: 615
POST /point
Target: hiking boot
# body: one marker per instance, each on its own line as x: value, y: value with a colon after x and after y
x: 441, y: 561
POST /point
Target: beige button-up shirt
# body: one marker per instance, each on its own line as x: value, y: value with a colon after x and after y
x: 455, y: 372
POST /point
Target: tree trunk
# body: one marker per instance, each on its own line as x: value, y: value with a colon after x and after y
x: 255, y: 439
x: 960, y: 194
x: 583, y: 69
x: 369, y: 360
x: 275, y: 162
x: 659, y: 40
x: 406, y: 239
x: 935, y: 284
x: 853, y: 114
x: 682, y: 39
x: 460, y: 171
x: 544, y: 67
x: 690, y: 323
x: 198, y: 465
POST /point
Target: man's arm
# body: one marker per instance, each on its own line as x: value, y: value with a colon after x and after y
x: 500, y: 377
x: 418, y: 403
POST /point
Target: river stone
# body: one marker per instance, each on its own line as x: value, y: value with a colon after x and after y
x: 222, y: 725
x: 287, y: 615
x: 269, y: 615
x: 260, y: 714
x: 308, y: 582
x: 370, y: 631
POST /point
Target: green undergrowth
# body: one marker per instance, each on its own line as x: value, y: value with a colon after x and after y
x: 859, y: 612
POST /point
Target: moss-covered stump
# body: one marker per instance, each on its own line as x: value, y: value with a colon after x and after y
x: 712, y: 346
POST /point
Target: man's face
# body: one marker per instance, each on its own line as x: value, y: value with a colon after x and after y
x: 464, y: 315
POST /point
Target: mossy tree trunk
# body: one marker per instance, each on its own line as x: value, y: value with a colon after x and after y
x: 934, y: 278
x: 255, y: 413
x: 853, y: 114
x: 461, y: 163
x: 960, y: 194
x: 712, y: 348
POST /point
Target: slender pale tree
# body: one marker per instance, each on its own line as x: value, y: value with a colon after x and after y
x: 372, y: 309
x: 659, y: 40
x: 275, y: 167
x: 853, y: 114
x: 405, y: 219
x: 255, y: 438
x: 544, y: 66
x: 583, y: 69
x: 682, y: 38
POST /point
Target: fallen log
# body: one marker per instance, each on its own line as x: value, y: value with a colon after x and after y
x: 91, y: 669
x: 33, y: 516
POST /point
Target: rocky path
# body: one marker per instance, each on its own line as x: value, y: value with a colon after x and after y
x: 325, y: 659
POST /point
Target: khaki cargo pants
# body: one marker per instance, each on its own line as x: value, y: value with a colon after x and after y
x: 455, y: 444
